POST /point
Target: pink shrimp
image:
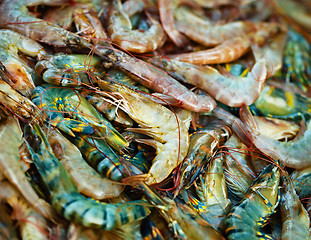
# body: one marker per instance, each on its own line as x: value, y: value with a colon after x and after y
x: 227, y: 51
x: 137, y: 41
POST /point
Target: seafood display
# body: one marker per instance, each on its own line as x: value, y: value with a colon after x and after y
x: 153, y: 119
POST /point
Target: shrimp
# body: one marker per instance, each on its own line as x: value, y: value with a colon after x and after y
x: 149, y: 231
x: 10, y: 166
x: 121, y: 32
x: 212, y: 192
x: 15, y: 16
x: 22, y: 75
x: 32, y: 224
x: 230, y: 90
x: 71, y: 70
x: 225, y: 52
x: 295, y: 218
x: 157, y: 80
x: 57, y: 101
x: 88, y: 181
x: 203, y: 145
x: 64, y: 195
x: 260, y: 202
x: 100, y: 156
x: 185, y: 222
x: 7, y: 228
x: 169, y: 133
x: 166, y: 12
x: 85, y: 18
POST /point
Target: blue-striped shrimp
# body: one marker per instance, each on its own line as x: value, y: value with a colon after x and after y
x: 64, y: 195
x: 88, y: 181
x: 185, y: 222
x: 70, y: 69
x: 56, y: 102
x: 121, y: 31
x: 100, y: 156
x: 31, y: 224
x: 203, y: 145
x: 295, y: 219
x: 246, y: 219
x: 11, y: 168
x: 169, y: 132
x: 16, y: 16
x: 212, y: 193
x: 23, y: 76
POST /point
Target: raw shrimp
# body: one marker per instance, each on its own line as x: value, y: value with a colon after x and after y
x: 166, y: 12
x: 137, y: 41
x: 15, y: 16
x: 22, y: 75
x: 246, y: 219
x: 169, y: 133
x: 58, y: 101
x: 11, y: 133
x: 157, y: 80
x: 88, y: 181
x: 64, y: 195
x: 212, y: 192
x: 227, y: 51
x: 295, y: 219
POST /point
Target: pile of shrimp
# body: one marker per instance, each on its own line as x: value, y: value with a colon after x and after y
x: 153, y: 119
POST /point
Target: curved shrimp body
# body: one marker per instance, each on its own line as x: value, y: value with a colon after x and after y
x: 225, y: 52
x: 10, y: 166
x: 204, y: 32
x: 157, y: 80
x: 230, y: 90
x: 70, y: 70
x: 295, y: 219
x: 261, y: 200
x: 203, y: 145
x: 100, y: 156
x: 169, y: 133
x: 166, y: 12
x: 11, y: 43
x: 88, y: 181
x: 278, y: 103
x: 121, y: 32
x: 16, y: 17
x: 212, y: 192
x: 64, y: 194
x: 58, y: 101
